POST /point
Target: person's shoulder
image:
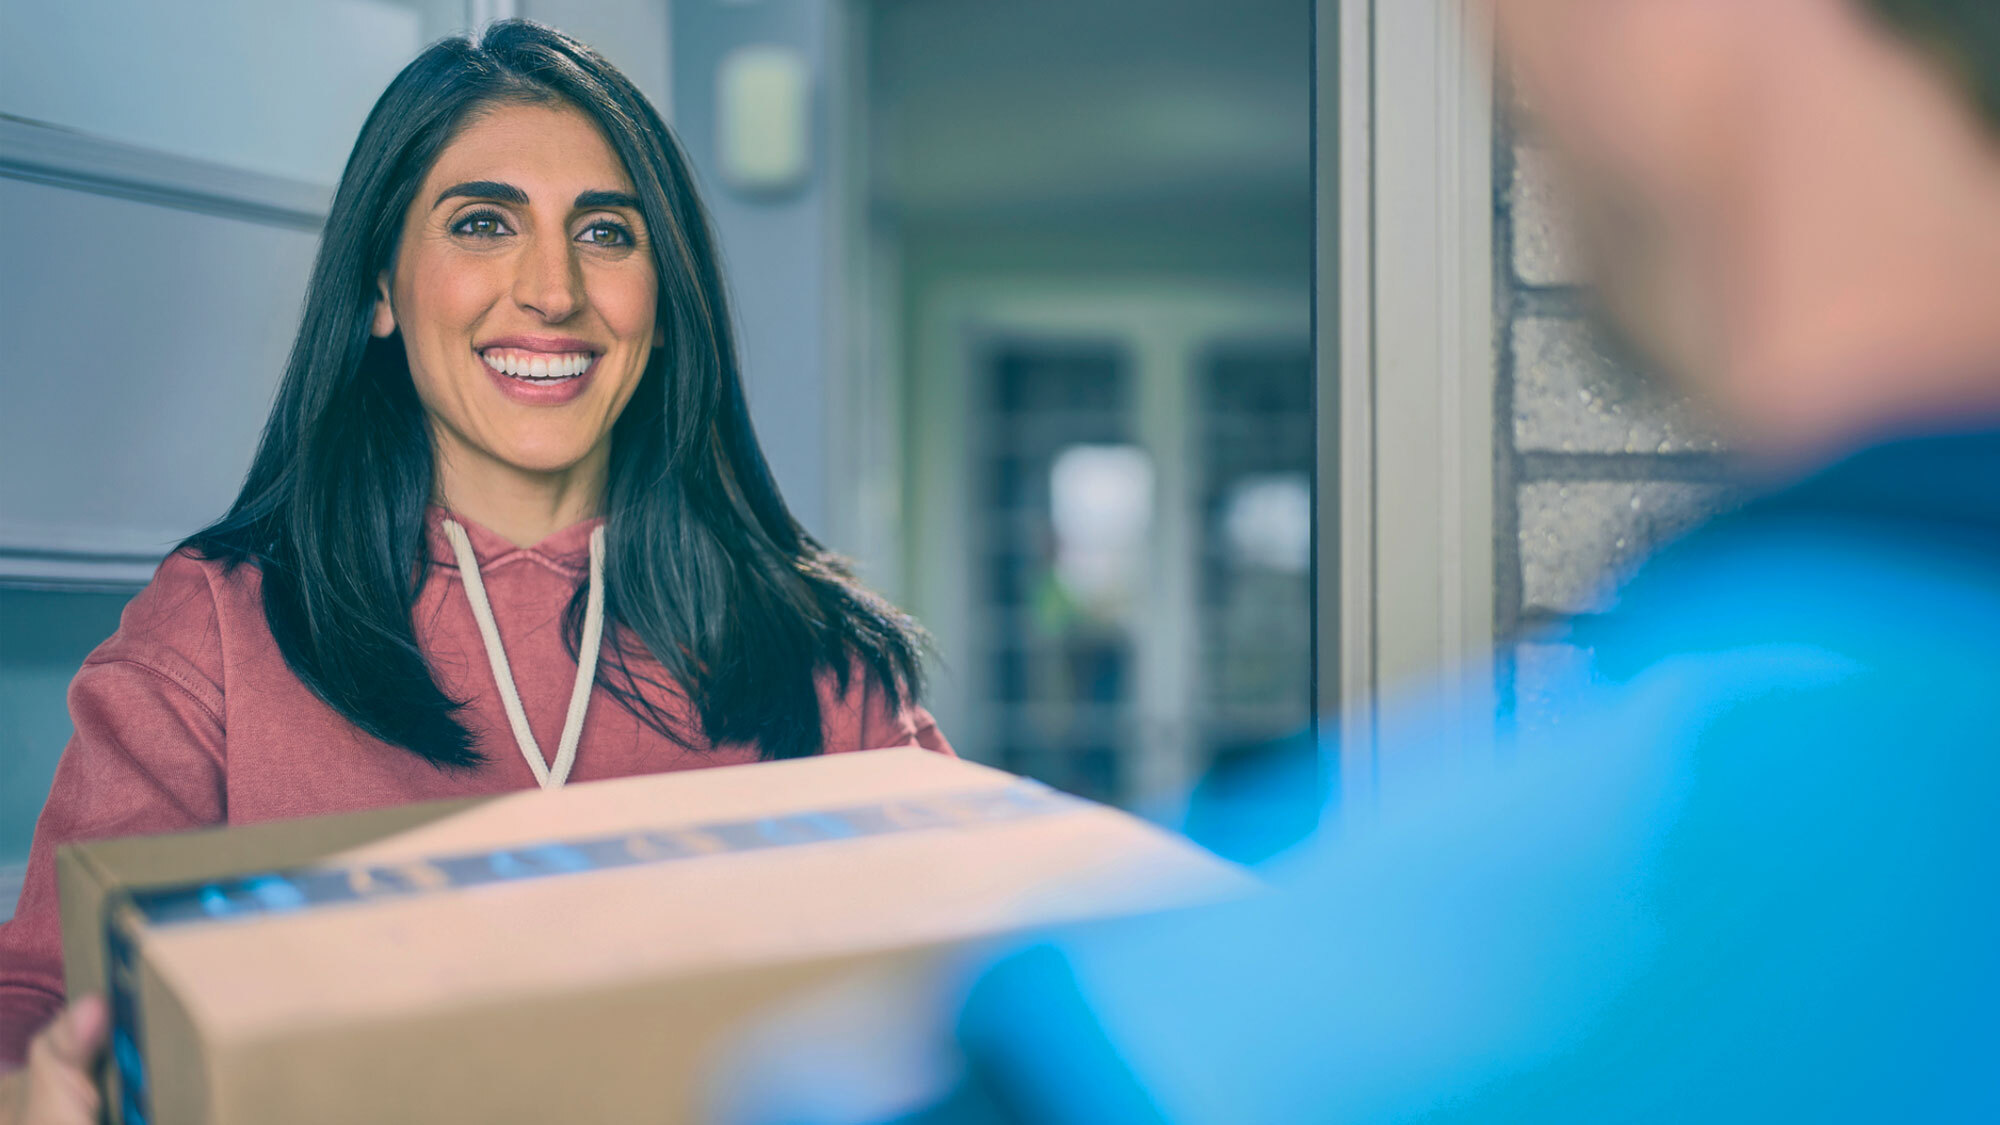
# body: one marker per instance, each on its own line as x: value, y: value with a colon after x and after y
x: 191, y: 590
x: 178, y: 624
x: 1825, y: 670
x: 1760, y: 597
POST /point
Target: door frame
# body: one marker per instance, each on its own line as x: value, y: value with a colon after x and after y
x: 1406, y: 365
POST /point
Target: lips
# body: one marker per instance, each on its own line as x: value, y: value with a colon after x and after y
x: 537, y: 367
x: 539, y: 371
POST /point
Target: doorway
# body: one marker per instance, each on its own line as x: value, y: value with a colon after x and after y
x: 1087, y: 232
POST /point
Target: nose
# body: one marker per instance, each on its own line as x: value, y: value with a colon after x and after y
x: 547, y: 280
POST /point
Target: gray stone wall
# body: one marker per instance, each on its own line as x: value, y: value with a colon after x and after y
x: 1597, y: 466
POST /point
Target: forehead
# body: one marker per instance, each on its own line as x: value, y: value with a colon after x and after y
x: 552, y: 145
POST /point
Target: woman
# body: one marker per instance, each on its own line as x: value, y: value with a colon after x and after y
x: 508, y: 525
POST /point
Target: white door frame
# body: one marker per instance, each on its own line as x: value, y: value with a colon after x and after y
x: 1403, y: 307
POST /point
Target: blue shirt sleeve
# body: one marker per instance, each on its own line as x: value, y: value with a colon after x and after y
x: 1752, y: 885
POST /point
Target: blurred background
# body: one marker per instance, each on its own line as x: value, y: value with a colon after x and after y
x: 1024, y: 293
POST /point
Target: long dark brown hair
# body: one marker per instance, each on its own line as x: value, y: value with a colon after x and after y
x: 708, y: 578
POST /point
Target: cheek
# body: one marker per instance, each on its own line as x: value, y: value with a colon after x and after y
x: 628, y: 302
x: 441, y: 301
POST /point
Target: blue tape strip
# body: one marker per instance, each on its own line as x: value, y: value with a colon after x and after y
x: 274, y: 892
x: 122, y: 986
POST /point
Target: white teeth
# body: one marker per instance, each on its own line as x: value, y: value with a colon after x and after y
x: 537, y: 365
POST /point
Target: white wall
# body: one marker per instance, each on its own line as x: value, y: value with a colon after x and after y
x: 278, y: 86
x: 636, y: 35
x: 144, y: 346
x: 779, y: 252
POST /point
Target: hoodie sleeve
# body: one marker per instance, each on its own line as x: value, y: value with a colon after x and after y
x: 146, y: 757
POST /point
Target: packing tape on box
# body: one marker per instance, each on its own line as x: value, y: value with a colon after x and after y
x: 305, y: 888
x: 275, y: 892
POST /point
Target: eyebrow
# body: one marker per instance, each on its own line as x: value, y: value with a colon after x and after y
x: 484, y: 189
x: 591, y: 200
x: 508, y: 193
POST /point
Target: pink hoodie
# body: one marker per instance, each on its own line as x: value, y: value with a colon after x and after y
x: 188, y: 718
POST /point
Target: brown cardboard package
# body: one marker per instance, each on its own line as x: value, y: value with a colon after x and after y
x: 581, y: 955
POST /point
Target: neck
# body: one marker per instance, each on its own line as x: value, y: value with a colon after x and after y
x: 1866, y: 255
x: 522, y: 506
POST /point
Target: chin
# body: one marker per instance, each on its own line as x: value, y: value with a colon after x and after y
x: 544, y: 457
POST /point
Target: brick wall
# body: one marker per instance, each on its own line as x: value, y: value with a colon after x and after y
x: 1595, y: 466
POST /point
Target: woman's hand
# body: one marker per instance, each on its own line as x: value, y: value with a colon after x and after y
x: 56, y: 1088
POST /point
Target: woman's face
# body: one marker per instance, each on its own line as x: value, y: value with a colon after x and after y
x: 525, y: 292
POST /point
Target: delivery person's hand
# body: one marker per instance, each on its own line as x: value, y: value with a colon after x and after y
x: 55, y: 1088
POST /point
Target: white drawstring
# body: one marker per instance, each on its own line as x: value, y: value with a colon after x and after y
x: 586, y: 661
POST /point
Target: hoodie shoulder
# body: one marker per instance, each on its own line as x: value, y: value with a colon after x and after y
x: 179, y: 626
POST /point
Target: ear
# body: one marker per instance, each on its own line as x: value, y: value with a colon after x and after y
x: 384, y: 324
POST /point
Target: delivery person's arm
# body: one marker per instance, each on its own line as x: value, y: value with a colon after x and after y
x: 1712, y: 901
x: 146, y: 757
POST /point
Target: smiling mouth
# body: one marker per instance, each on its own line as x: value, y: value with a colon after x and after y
x: 539, y: 368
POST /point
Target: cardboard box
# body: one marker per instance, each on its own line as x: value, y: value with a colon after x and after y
x: 578, y: 955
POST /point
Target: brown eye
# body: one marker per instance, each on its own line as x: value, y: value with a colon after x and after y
x: 480, y: 224
x: 605, y: 234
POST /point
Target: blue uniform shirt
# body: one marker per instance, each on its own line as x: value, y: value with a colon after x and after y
x: 1752, y: 877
